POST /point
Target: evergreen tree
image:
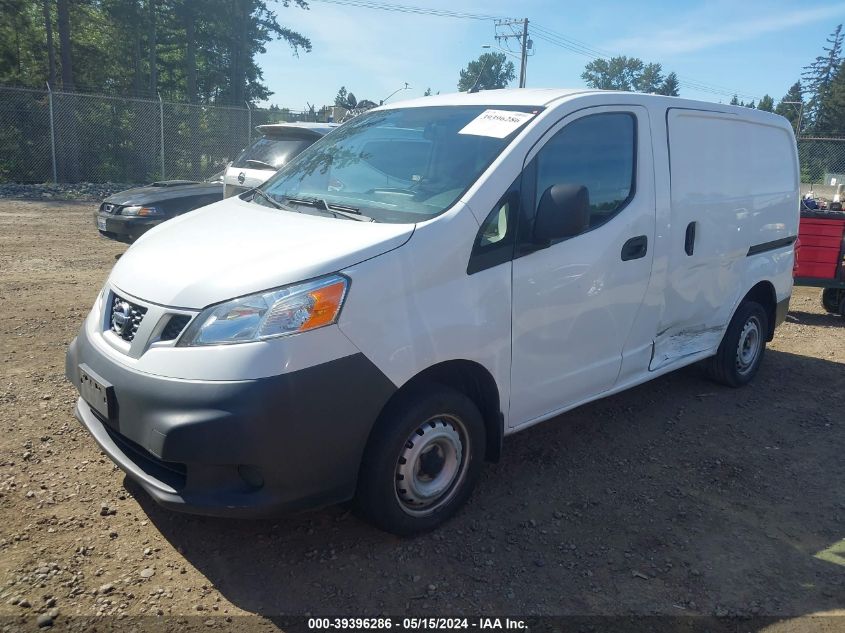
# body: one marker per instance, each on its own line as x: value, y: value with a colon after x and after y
x: 819, y: 75
x: 767, y: 104
x: 670, y: 86
x: 790, y: 105
x: 735, y: 101
x: 832, y: 116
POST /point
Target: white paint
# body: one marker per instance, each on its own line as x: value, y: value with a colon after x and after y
x: 556, y: 328
x: 736, y: 178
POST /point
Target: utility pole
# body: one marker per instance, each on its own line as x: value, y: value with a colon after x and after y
x: 525, y: 43
x: 524, y: 66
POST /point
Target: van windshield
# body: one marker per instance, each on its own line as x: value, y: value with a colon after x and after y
x: 270, y: 153
x: 404, y: 165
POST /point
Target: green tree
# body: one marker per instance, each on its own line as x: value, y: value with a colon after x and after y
x: 735, y: 101
x: 767, y: 104
x: 670, y: 86
x: 650, y: 79
x: 790, y: 105
x: 194, y: 50
x: 489, y: 72
x: 819, y: 75
x: 832, y: 115
x: 345, y: 99
x: 617, y: 73
x: 629, y: 73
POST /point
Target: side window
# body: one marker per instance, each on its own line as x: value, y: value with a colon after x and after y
x: 494, y: 243
x: 597, y: 151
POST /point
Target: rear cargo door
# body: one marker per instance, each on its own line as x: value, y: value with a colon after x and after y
x: 729, y: 181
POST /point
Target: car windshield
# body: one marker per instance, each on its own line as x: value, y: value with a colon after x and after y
x: 404, y: 165
x: 270, y: 153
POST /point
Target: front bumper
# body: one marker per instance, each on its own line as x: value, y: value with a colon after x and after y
x: 237, y: 448
x: 124, y: 228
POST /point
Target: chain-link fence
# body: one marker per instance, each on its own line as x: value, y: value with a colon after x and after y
x: 822, y: 163
x: 72, y: 137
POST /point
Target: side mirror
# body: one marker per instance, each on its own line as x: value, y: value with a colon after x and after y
x: 563, y: 211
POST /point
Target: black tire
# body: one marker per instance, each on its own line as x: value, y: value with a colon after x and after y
x: 736, y: 363
x: 831, y: 298
x: 439, y: 415
x: 842, y: 306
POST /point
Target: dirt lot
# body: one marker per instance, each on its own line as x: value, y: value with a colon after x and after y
x: 677, y: 497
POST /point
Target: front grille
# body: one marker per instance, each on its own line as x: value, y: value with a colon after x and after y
x: 174, y: 327
x: 125, y: 318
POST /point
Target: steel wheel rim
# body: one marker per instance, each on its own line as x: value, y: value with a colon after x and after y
x: 432, y: 465
x: 750, y: 343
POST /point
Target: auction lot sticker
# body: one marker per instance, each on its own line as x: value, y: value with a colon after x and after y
x: 496, y: 123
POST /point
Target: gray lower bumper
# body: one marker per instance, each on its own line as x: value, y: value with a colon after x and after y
x: 237, y: 448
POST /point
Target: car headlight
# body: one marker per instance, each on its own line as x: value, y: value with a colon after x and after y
x: 288, y: 310
x: 141, y: 211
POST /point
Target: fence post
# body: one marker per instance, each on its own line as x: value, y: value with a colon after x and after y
x: 161, y: 122
x: 52, y: 132
x: 248, y: 123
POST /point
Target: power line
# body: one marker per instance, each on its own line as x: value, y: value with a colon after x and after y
x: 540, y: 32
x: 401, y: 8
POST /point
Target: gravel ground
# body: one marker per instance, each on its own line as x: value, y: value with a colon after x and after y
x: 678, y: 497
x: 87, y: 191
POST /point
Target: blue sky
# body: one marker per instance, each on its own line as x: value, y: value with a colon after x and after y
x: 751, y: 47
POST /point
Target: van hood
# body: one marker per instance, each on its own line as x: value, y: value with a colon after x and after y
x: 233, y: 248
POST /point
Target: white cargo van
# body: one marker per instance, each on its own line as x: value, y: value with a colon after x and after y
x: 428, y: 278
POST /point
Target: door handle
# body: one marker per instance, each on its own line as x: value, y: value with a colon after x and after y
x: 689, y: 241
x: 635, y: 248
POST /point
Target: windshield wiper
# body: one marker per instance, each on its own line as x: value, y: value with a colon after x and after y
x: 275, y: 203
x: 338, y: 210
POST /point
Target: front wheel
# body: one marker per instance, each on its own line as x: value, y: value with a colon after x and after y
x: 422, y: 461
x: 742, y: 348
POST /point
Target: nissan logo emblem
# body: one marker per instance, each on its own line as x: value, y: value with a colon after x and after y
x: 121, y: 318
x: 241, y: 178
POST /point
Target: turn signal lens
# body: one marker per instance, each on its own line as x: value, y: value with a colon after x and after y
x: 327, y: 303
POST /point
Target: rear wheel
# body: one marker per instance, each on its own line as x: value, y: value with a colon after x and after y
x: 422, y: 462
x: 831, y: 298
x: 742, y: 348
x: 842, y: 306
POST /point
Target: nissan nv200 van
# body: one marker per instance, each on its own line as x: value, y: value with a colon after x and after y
x: 428, y: 278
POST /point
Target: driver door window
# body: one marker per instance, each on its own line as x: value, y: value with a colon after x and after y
x: 598, y: 152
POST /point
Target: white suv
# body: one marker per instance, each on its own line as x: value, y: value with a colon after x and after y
x: 279, y: 143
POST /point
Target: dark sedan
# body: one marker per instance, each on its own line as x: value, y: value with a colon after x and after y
x: 127, y: 215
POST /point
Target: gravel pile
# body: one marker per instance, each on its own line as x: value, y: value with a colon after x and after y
x: 94, y: 191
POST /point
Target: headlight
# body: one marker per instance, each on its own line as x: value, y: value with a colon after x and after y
x: 141, y: 211
x: 278, y: 312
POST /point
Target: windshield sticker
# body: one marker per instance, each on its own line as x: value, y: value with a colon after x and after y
x: 496, y: 123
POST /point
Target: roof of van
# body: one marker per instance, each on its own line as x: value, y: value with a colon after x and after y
x: 296, y: 128
x: 505, y: 96
x: 542, y: 97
